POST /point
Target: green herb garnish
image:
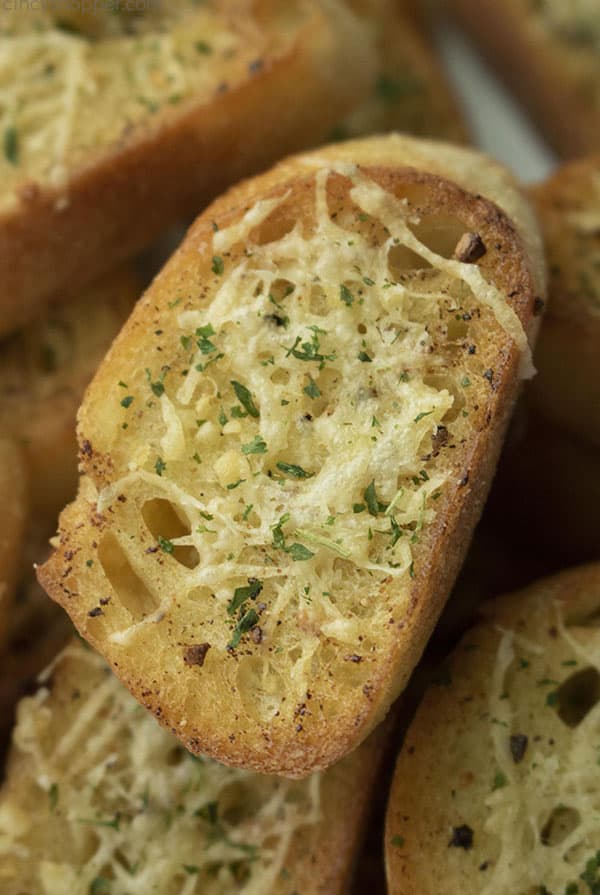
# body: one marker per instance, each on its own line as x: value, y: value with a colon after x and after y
x: 312, y: 389
x: 165, y: 545
x: 374, y: 506
x: 157, y: 386
x: 346, y: 296
x: 310, y: 351
x: 499, y: 781
x: 245, y: 398
x: 299, y: 552
x: 160, y: 466
x: 241, y: 594
x: 217, y: 265
x: 53, y: 796
x: 295, y: 472
x: 203, y: 341
x: 245, y: 624
x: 256, y: 446
x: 11, y: 145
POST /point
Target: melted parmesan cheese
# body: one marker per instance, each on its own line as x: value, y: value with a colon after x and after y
x: 308, y: 395
x: 108, y: 795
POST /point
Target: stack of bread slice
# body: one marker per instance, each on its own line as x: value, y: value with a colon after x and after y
x: 284, y: 448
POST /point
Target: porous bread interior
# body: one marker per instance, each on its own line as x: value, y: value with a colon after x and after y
x: 98, y: 791
x: 88, y: 78
x: 347, y: 320
x: 533, y: 670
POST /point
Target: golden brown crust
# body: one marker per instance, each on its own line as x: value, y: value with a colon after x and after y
x: 323, y: 859
x: 466, y: 807
x: 566, y: 391
x: 541, y: 68
x: 285, y: 745
x: 166, y: 171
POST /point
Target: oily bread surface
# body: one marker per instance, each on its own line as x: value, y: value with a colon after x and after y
x: 251, y: 633
x: 177, y: 104
x: 496, y: 786
x: 91, y: 786
x: 44, y: 370
x: 568, y: 206
x: 548, y: 54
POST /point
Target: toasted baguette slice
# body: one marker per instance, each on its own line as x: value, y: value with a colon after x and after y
x: 116, y: 125
x: 13, y: 500
x: 497, y: 788
x: 315, y: 396
x: 96, y: 791
x: 44, y: 370
x: 410, y: 92
x: 548, y: 53
x: 566, y: 390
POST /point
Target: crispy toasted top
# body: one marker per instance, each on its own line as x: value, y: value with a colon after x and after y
x: 274, y: 444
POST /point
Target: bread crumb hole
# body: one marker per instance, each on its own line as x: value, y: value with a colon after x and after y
x: 260, y: 687
x: 280, y: 376
x: 318, y: 303
x: 561, y: 823
x: 578, y: 695
x: 280, y: 289
x: 164, y: 521
x: 439, y: 234
x: 129, y: 588
x: 402, y: 259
